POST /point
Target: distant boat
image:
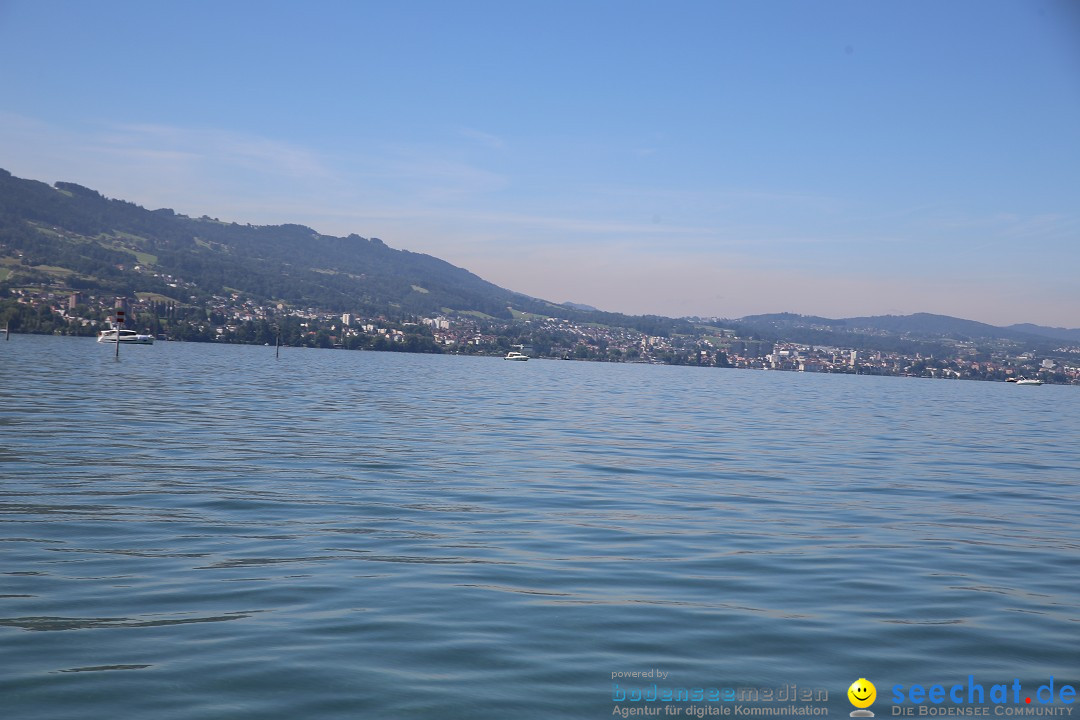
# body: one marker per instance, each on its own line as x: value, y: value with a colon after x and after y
x: 515, y: 355
x: 124, y: 336
x: 1028, y: 381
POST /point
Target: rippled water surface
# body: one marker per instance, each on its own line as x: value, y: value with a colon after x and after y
x: 202, y: 531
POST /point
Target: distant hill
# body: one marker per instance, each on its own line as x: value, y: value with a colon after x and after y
x: 924, y: 325
x: 580, y: 306
x: 1071, y: 335
x: 71, y: 236
x: 920, y: 332
x: 790, y: 320
x: 928, y: 325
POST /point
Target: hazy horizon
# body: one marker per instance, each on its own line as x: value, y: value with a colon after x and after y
x: 694, y: 159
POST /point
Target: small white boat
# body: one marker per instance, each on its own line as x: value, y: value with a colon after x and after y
x: 1028, y: 381
x: 515, y: 355
x: 124, y: 336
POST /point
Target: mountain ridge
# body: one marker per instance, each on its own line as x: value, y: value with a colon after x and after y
x: 74, y: 233
x: 915, y: 324
x: 92, y: 242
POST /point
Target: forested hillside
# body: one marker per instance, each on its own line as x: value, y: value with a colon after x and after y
x: 73, y: 236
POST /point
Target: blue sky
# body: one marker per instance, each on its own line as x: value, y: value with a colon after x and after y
x: 682, y: 158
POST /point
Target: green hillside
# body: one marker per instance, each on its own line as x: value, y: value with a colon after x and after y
x: 72, y: 237
x: 93, y: 242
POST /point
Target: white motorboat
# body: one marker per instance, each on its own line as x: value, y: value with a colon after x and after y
x: 124, y: 336
x: 515, y: 355
x: 1028, y: 381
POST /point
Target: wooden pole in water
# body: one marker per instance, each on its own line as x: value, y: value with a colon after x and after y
x: 119, y: 324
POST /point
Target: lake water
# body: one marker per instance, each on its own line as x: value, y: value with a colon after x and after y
x: 204, y: 531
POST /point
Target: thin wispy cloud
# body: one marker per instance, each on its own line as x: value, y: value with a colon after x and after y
x: 488, y: 140
x: 163, y: 164
x: 217, y: 147
x: 1017, y: 226
x: 432, y: 176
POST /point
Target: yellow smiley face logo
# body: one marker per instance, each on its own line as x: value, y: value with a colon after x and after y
x: 862, y: 693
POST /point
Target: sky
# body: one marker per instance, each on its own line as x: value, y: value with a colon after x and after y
x: 708, y: 158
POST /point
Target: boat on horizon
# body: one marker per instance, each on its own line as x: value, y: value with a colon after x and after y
x: 1025, y: 381
x: 515, y: 355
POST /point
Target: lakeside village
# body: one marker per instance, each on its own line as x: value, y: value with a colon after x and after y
x: 236, y: 320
